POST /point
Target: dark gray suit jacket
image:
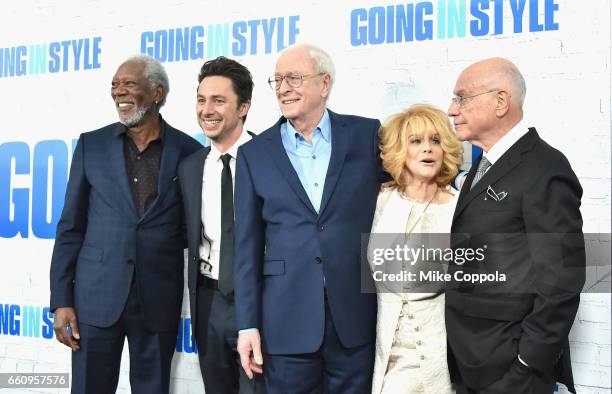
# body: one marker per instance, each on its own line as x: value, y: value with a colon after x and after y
x: 190, y: 178
x: 533, y: 235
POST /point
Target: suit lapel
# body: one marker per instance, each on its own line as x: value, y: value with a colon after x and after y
x: 192, y: 199
x: 509, y: 160
x: 171, y: 154
x: 119, y: 172
x: 281, y: 160
x: 339, y: 136
x: 193, y: 188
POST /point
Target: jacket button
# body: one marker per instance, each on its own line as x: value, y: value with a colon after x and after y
x: 321, y: 227
x: 318, y: 260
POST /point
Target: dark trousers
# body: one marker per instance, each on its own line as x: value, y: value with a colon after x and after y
x: 333, y: 369
x: 95, y: 366
x: 216, y: 338
x: 518, y: 380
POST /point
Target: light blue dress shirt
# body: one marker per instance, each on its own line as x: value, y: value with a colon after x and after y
x: 310, y: 161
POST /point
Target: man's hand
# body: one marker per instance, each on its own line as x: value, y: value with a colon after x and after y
x: 249, y: 348
x: 64, y: 318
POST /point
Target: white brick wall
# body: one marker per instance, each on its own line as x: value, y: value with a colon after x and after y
x: 590, y: 343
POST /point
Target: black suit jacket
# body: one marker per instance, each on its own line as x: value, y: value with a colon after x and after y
x: 191, y: 170
x: 102, y: 243
x: 533, y: 235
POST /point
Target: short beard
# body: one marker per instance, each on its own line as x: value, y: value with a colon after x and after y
x: 134, y: 120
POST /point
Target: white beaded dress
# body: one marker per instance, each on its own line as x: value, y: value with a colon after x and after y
x: 410, y: 329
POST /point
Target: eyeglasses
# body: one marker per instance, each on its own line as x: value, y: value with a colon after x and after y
x: 293, y: 80
x: 462, y: 100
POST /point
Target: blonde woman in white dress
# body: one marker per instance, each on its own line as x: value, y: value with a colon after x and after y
x: 421, y: 153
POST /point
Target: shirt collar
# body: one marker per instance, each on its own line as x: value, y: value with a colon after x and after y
x: 506, y: 142
x: 324, y: 128
x: 215, y: 153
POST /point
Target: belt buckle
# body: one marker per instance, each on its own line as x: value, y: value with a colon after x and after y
x: 205, y: 266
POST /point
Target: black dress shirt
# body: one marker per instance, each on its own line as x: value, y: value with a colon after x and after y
x: 142, y: 168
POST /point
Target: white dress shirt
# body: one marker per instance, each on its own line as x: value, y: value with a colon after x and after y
x: 497, y: 150
x: 506, y: 142
x: 210, y: 242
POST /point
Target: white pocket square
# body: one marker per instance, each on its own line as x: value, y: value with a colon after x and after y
x: 496, y: 196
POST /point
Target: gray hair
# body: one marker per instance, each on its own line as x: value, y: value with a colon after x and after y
x: 155, y: 73
x: 323, y: 62
x: 517, y: 83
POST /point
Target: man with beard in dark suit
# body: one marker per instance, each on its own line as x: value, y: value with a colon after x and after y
x: 521, y: 199
x: 117, y: 265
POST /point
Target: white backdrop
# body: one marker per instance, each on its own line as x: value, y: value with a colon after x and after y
x: 562, y: 48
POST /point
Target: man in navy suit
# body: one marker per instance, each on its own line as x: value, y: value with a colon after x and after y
x: 117, y: 265
x: 306, y: 190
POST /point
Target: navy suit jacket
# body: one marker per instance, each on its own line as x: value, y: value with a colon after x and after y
x: 286, y: 253
x: 101, y: 243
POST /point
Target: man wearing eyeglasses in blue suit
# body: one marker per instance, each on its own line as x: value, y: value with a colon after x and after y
x: 305, y: 191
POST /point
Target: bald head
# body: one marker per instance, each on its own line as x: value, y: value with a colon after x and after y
x: 489, y: 101
x: 498, y: 73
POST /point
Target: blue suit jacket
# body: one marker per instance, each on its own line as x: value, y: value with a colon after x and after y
x: 101, y: 243
x: 286, y: 251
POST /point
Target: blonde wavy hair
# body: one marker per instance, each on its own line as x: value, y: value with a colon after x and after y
x: 418, y: 120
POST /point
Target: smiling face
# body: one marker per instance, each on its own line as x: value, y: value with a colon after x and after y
x: 424, y: 157
x: 132, y: 93
x: 219, y: 114
x: 304, y: 104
